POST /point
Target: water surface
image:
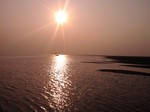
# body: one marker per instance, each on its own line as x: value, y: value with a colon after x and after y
x: 68, y: 83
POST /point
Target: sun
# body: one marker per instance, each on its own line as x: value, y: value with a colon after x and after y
x: 61, y: 17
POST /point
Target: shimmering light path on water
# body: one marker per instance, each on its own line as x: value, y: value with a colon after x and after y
x: 59, y: 83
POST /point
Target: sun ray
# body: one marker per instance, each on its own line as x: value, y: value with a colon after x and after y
x: 63, y: 35
x: 27, y: 35
x: 51, y: 41
x: 36, y: 30
x: 54, y: 36
x: 66, y: 4
x: 46, y: 6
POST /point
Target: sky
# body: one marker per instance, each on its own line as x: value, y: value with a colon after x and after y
x: 94, y: 27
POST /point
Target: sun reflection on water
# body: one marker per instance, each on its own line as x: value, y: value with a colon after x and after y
x: 59, y: 82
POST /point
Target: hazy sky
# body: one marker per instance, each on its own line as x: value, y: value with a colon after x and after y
x: 104, y: 27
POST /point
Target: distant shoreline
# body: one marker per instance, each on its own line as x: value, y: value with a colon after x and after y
x: 131, y: 59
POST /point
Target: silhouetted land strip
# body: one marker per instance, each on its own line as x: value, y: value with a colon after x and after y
x: 139, y: 66
x: 129, y: 72
x: 131, y: 60
x: 100, y: 62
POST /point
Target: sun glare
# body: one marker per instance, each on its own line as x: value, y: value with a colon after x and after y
x: 61, y: 17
